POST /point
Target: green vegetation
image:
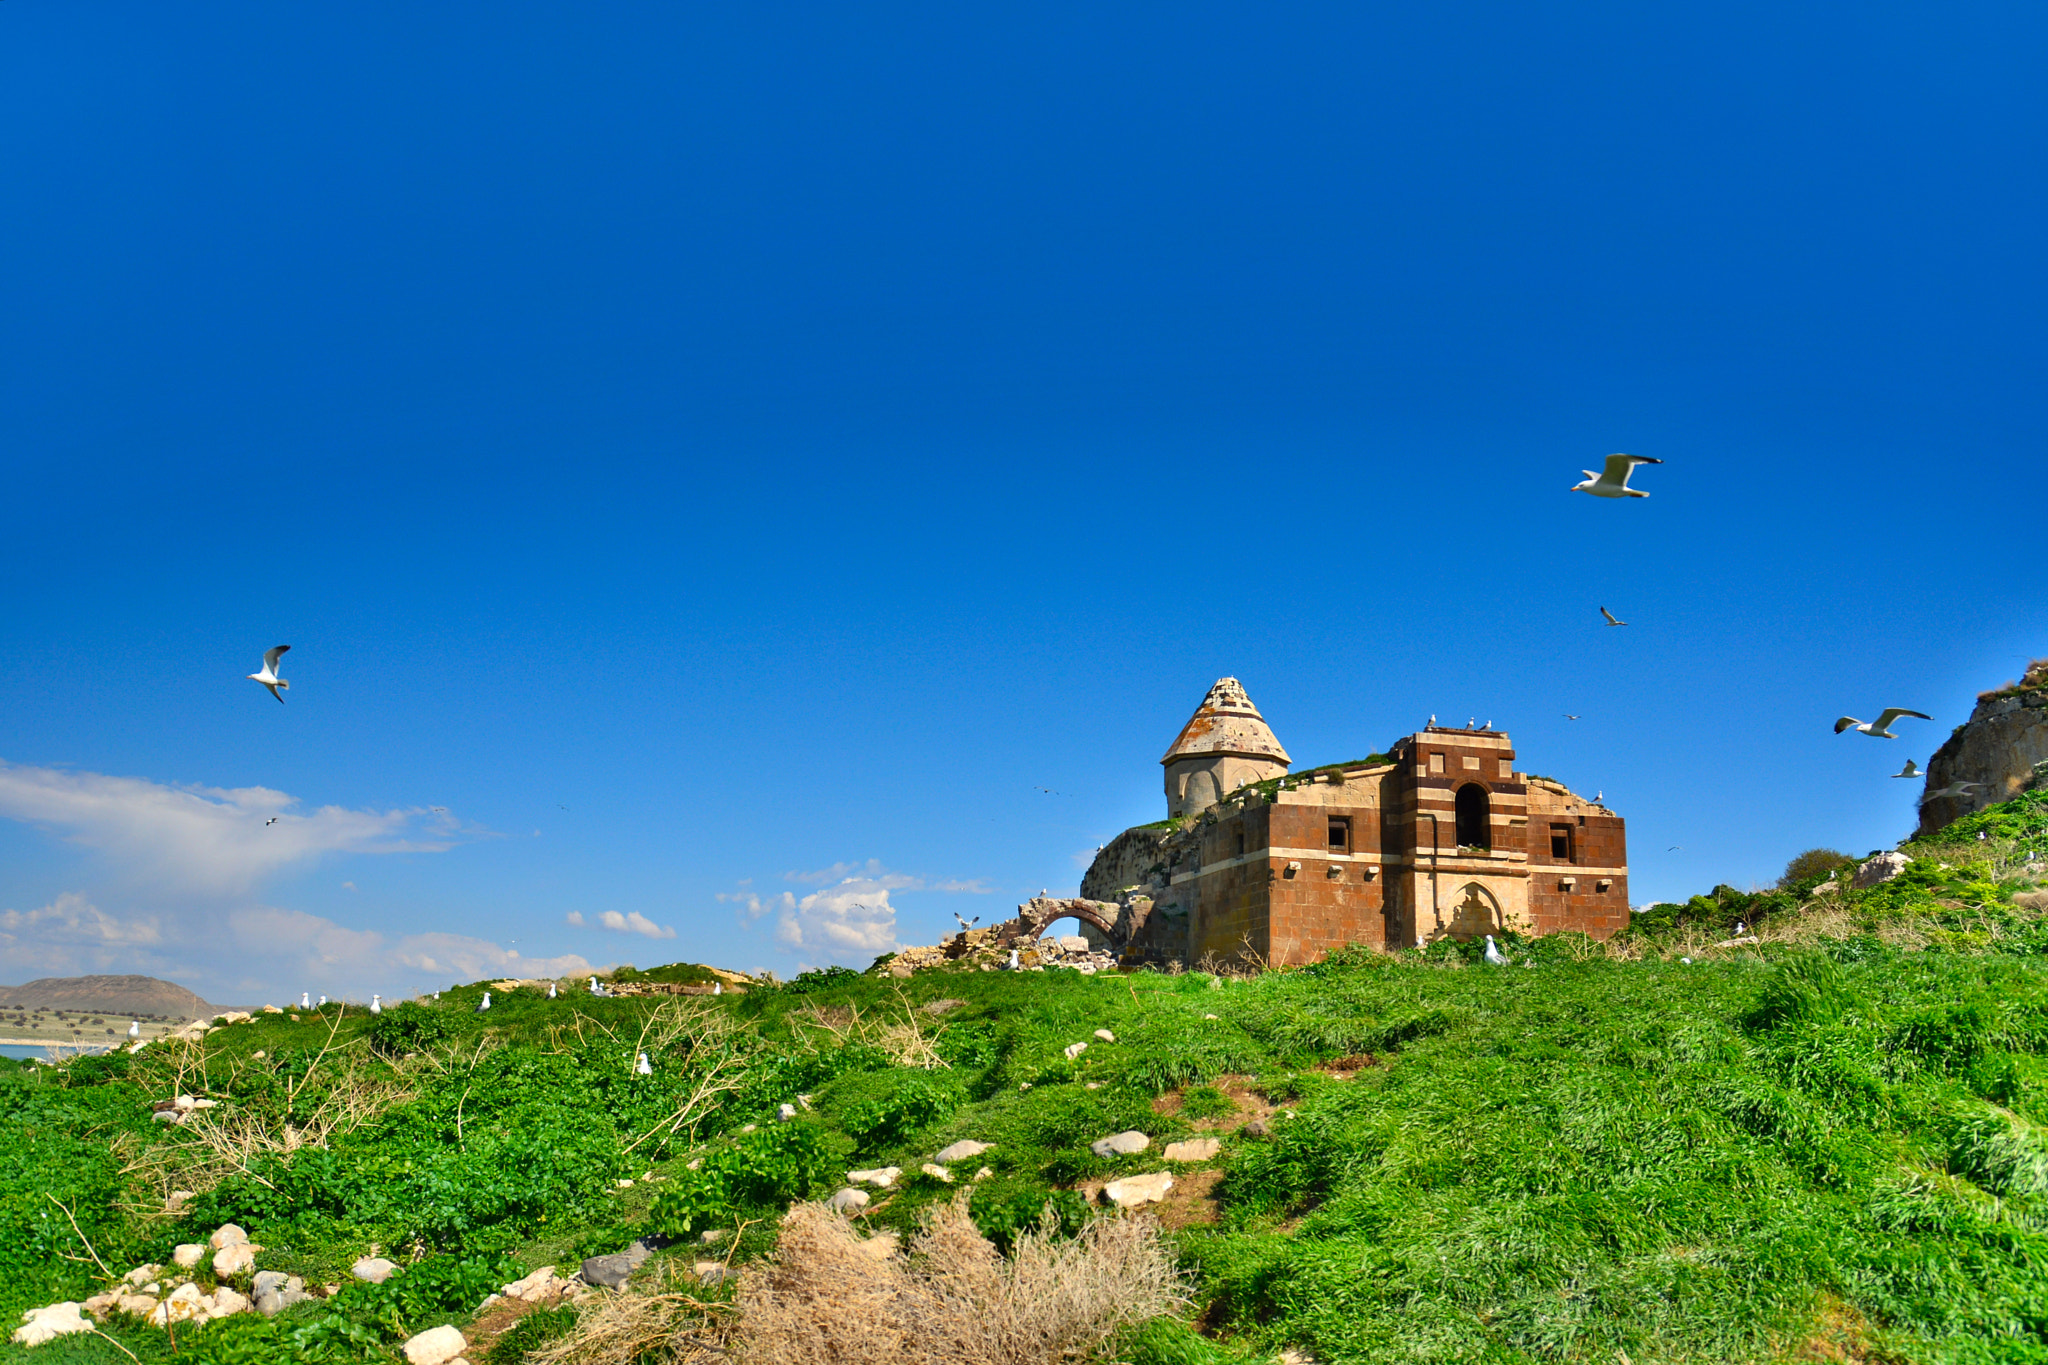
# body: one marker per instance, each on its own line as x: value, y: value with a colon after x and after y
x: 1811, y: 866
x: 1831, y: 1144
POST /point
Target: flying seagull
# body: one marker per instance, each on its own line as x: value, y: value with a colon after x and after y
x: 1676, y: 848
x: 268, y: 677
x: 1909, y: 771
x: 1493, y: 954
x: 1959, y: 790
x: 966, y: 924
x: 1612, y: 480
x: 271, y: 821
x: 1569, y: 716
x: 1881, y: 727
x: 1611, y: 619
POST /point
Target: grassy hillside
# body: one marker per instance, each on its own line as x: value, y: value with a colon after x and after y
x: 1831, y: 1144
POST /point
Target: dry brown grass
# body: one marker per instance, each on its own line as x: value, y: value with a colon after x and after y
x: 907, y: 1041
x: 825, y: 1298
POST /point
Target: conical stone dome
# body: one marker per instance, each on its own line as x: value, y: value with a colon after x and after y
x: 1224, y: 745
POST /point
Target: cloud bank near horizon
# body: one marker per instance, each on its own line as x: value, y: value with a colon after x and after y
x: 852, y: 920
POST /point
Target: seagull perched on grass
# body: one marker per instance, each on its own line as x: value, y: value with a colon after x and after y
x: 323, y: 1003
x: 268, y: 677
x: 643, y: 1066
x: 551, y: 990
x: 134, y: 1028
x: 1881, y: 727
x: 305, y: 1000
x: 376, y: 1004
x: 1493, y: 954
x: 1612, y: 620
x: 485, y: 1004
x: 1612, y: 480
x: 1909, y: 770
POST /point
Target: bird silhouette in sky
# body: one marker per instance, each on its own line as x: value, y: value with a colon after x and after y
x: 1612, y: 480
x: 268, y: 677
x: 1612, y: 620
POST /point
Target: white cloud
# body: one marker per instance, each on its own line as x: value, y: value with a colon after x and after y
x: 290, y: 949
x: 209, y: 841
x: 633, y: 922
x: 853, y: 918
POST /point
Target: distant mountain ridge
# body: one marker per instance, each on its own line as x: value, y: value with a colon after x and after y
x: 130, y: 995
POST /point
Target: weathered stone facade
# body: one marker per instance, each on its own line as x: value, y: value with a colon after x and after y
x: 1444, y: 838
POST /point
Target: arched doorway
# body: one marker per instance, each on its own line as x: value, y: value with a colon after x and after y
x: 1475, y: 817
x: 1476, y: 913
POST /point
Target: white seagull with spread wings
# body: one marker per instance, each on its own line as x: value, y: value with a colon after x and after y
x: 1612, y: 620
x: 1909, y: 770
x: 1612, y: 480
x: 1881, y: 727
x: 268, y: 677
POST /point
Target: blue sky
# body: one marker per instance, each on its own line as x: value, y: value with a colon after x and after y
x: 728, y: 460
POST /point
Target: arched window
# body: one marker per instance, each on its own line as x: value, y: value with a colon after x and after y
x: 1475, y: 822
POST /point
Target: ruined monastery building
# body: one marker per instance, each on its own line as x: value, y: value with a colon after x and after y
x: 1441, y: 837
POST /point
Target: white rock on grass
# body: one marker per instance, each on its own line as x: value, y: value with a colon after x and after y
x: 1193, y: 1149
x: 1104, y: 1035
x: 1128, y: 1143
x: 882, y: 1177
x: 227, y: 1235
x: 227, y: 1302
x: 1138, y: 1190
x: 234, y: 1260
x: 785, y: 1112
x: 939, y: 1173
x: 186, y: 1304
x: 539, y: 1285
x: 962, y: 1150
x: 435, y: 1346
x: 142, y: 1274
x: 709, y: 1272
x: 373, y: 1269
x: 39, y: 1325
x: 849, y: 1199
x: 1074, y: 1050
x: 187, y: 1255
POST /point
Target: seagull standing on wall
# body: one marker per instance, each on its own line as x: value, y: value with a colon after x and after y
x: 268, y: 677
x: 1612, y: 480
x: 1881, y: 727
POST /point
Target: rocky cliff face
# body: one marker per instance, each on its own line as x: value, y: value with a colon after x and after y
x: 1131, y: 859
x: 2000, y: 749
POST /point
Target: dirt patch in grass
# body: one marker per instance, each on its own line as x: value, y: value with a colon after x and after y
x: 1249, y: 1104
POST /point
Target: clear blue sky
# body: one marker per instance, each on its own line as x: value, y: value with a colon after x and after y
x: 715, y: 452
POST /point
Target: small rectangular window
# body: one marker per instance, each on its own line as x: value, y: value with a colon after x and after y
x: 1340, y: 833
x: 1240, y: 843
x: 1561, y: 842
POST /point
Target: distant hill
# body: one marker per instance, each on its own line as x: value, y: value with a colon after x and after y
x: 127, y: 995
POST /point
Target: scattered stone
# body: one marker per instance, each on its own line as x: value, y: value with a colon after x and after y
x: 1128, y: 1143
x: 1072, y: 943
x: 709, y: 1272
x: 47, y: 1324
x: 961, y: 1150
x: 1092, y: 1085
x: 984, y: 1173
x: 882, y: 1177
x: 187, y: 1255
x: 176, y: 1203
x: 227, y: 1235
x: 233, y: 1260
x: 1257, y: 1128
x: 272, y: 1009
x: 849, y: 1199
x: 1194, y: 1149
x: 136, y: 1305
x: 1075, y: 1049
x: 539, y: 1285
x: 168, y: 1116
x: 748, y: 1127
x: 614, y: 1270
x: 373, y: 1269
x: 100, y: 1305
x: 226, y: 1302
x: 1880, y: 869
x: 435, y: 1346
x: 1209, y: 1016
x: 142, y: 1274
x: 186, y: 1304
x: 1104, y: 1035
x: 274, y: 1291
x: 711, y: 1237
x: 622, y: 1184
x: 785, y: 1112
x: 1138, y: 1190
x: 939, y: 1173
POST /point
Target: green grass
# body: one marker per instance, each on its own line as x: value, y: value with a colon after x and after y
x: 1747, y: 1158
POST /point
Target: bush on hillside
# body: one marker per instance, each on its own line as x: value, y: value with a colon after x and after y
x: 407, y: 1027
x: 756, y: 1173
x: 1811, y: 867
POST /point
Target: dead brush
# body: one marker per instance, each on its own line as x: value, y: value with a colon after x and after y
x: 826, y: 1299
x: 658, y: 1323
x: 905, y: 1041
x: 719, y: 1048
